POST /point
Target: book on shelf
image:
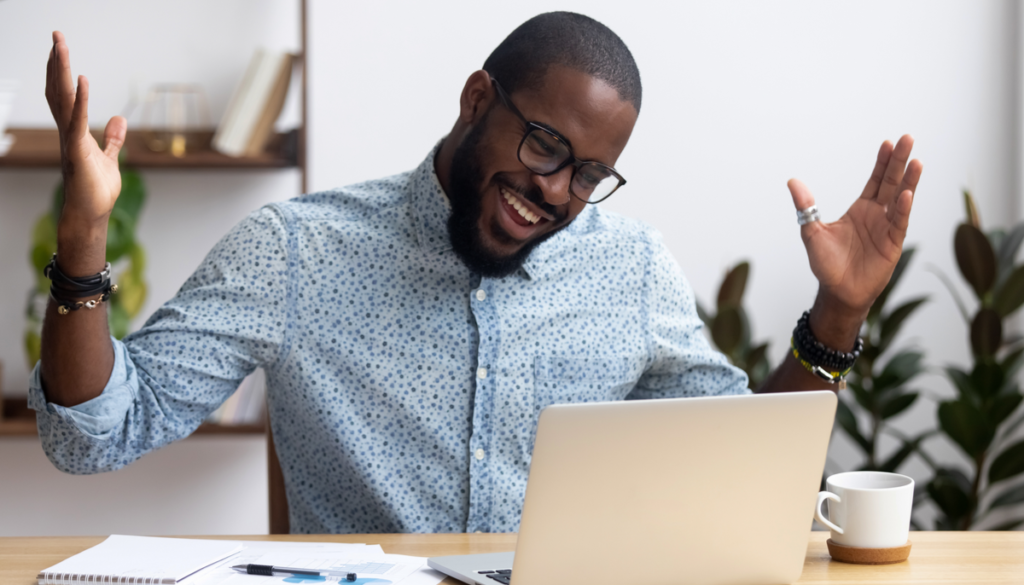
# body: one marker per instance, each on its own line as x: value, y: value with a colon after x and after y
x: 247, y: 405
x: 248, y: 121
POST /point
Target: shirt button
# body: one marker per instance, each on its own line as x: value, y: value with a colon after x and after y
x: 479, y: 454
x: 481, y: 373
x: 481, y: 295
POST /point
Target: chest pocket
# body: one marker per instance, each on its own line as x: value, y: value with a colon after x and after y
x: 562, y: 380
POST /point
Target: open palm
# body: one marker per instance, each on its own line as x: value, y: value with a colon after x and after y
x: 853, y: 258
x: 92, y: 180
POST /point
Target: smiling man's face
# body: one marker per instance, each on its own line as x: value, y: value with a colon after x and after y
x: 500, y: 209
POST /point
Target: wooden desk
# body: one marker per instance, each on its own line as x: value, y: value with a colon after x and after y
x: 937, y: 557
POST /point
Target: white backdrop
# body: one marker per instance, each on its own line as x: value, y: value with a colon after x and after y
x: 739, y: 97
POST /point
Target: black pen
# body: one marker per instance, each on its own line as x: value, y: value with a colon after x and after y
x: 269, y: 570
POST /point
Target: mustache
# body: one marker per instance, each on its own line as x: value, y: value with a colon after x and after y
x: 534, y: 195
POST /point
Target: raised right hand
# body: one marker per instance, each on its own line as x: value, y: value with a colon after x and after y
x: 92, y: 180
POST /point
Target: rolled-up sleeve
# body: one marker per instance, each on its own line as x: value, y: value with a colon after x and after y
x: 682, y: 361
x: 228, y: 318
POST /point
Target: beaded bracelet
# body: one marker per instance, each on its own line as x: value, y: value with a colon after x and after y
x: 826, y: 363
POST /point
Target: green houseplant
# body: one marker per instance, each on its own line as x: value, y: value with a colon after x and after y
x: 980, y: 419
x: 878, y: 387
x: 123, y: 251
x: 730, y: 328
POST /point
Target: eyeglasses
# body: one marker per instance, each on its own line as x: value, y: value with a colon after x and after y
x: 545, y: 152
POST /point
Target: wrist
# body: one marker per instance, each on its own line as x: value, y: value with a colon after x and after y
x: 835, y: 324
x: 81, y: 248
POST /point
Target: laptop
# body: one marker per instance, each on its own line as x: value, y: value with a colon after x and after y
x: 716, y: 490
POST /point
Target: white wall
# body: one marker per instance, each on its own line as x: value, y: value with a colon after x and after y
x: 204, y: 484
x: 738, y: 98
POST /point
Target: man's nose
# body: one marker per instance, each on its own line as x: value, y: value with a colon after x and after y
x: 555, y: 187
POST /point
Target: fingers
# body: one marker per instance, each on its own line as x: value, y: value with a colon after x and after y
x: 871, y: 189
x: 912, y: 176
x: 64, y: 87
x: 893, y: 177
x: 113, y: 136
x: 79, y: 125
x: 900, y: 220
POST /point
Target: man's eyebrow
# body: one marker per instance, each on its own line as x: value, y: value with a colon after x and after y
x: 554, y: 131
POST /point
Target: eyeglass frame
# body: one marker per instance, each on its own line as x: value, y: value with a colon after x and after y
x: 572, y: 159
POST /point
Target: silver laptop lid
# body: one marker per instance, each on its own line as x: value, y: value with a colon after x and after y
x: 698, y: 490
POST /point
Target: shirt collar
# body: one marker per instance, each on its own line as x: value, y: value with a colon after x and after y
x: 431, y: 209
x: 430, y: 206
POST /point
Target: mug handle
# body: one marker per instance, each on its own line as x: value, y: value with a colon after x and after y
x: 822, y: 496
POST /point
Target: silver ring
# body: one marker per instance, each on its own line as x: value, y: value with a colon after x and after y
x: 806, y: 216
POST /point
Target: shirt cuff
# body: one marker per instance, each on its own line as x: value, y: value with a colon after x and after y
x: 99, y: 415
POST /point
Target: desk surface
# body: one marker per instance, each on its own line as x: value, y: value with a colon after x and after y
x: 936, y: 557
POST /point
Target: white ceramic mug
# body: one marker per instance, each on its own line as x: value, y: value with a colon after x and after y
x: 867, y: 509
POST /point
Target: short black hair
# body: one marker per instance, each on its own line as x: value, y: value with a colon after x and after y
x: 568, y: 39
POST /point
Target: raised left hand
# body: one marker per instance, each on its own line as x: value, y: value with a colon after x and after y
x: 853, y: 257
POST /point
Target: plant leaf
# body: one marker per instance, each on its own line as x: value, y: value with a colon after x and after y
x: 975, y: 258
x: 1011, y: 363
x: 730, y: 294
x: 897, y: 404
x: 848, y: 422
x: 896, y: 459
x: 986, y: 333
x: 1008, y: 463
x: 1008, y: 248
x: 949, y: 493
x: 1002, y: 407
x: 1009, y: 295
x: 987, y: 380
x: 967, y: 426
x: 946, y: 282
x: 900, y: 370
x: 727, y: 329
x: 1014, y: 495
x: 1008, y: 525
x: 962, y: 381
x: 897, y: 273
x: 891, y: 324
x: 971, y: 210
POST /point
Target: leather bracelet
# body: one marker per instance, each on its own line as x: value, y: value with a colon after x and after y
x: 66, y: 283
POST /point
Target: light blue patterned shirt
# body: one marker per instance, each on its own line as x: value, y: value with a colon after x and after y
x: 403, y: 390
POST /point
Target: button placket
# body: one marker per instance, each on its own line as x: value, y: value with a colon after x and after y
x: 488, y: 342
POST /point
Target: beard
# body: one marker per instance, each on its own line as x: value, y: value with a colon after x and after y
x: 466, y: 194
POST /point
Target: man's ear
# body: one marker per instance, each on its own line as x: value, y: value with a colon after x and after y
x: 476, y: 97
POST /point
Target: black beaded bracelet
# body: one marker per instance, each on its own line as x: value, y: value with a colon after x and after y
x: 817, y: 355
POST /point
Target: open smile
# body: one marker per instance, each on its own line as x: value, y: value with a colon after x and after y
x: 520, y: 218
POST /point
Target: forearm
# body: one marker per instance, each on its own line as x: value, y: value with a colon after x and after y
x: 77, y: 357
x: 835, y: 327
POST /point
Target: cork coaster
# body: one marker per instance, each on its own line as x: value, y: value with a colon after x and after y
x: 868, y: 556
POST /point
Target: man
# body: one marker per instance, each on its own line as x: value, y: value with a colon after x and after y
x: 412, y: 328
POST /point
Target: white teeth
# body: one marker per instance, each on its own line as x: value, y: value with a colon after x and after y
x: 523, y: 211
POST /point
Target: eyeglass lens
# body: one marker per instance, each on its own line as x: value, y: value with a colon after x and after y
x: 542, y: 153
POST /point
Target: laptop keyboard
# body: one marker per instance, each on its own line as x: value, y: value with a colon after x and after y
x: 503, y: 576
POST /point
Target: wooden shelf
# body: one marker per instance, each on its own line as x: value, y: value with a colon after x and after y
x: 19, y: 421
x: 39, y: 148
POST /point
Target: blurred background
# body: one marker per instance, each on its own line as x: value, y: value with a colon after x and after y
x: 738, y: 98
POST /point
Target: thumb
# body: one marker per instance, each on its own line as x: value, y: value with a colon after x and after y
x: 802, y: 197
x: 113, y: 136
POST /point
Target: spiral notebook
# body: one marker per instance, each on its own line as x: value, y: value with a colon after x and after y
x: 139, y: 560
